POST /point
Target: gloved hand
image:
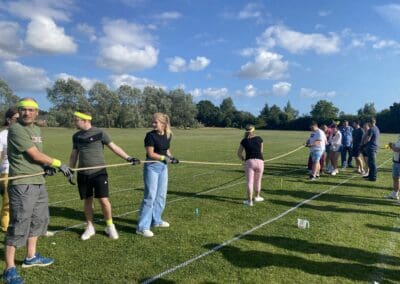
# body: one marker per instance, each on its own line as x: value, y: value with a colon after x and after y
x: 133, y: 161
x: 49, y: 170
x: 170, y: 160
x: 67, y: 172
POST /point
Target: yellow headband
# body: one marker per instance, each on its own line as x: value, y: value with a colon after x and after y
x: 250, y: 130
x: 28, y: 103
x: 82, y: 115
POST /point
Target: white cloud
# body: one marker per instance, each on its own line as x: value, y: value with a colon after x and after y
x: 30, y: 9
x: 266, y: 65
x: 126, y: 46
x: 44, y: 35
x: 250, y: 11
x: 297, y: 42
x: 390, y: 12
x: 386, y: 44
x: 179, y: 64
x: 125, y: 79
x: 309, y: 93
x: 323, y: 13
x: 88, y: 30
x: 24, y: 78
x: 281, y: 89
x: 10, y: 43
x: 172, y: 15
x: 215, y: 93
x: 86, y: 83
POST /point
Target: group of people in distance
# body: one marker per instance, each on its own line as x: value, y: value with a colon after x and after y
x: 25, y: 211
x: 329, y: 142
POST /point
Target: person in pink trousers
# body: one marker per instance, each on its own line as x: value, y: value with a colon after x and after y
x: 252, y: 145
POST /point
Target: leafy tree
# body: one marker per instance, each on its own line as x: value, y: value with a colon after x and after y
x: 7, y: 98
x: 290, y: 112
x: 105, y: 104
x: 367, y: 111
x: 324, y: 111
x: 155, y: 100
x: 131, y: 101
x: 207, y: 113
x: 183, y: 110
x: 67, y: 96
x: 227, y: 110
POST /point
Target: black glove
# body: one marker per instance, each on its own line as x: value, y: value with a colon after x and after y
x: 133, y: 161
x: 170, y: 160
x: 49, y: 171
x: 68, y: 173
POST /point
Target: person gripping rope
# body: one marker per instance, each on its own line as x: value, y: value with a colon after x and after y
x: 29, y: 209
x: 253, y: 147
x: 11, y: 117
x: 395, y: 147
x: 155, y: 173
x: 88, y: 147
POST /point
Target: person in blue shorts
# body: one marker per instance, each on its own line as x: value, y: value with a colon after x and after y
x: 395, y: 147
x: 316, y: 143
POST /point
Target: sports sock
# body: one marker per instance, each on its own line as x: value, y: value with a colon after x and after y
x: 109, y: 222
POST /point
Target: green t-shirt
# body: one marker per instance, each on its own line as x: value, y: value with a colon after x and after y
x: 21, y: 138
x: 90, y: 145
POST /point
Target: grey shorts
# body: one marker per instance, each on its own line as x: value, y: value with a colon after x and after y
x: 29, y: 213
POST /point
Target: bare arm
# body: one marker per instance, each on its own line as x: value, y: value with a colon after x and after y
x: 118, y: 150
x: 240, y: 153
x: 153, y: 155
x: 73, y: 157
x: 39, y: 157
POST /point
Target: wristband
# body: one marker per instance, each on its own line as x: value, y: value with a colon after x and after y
x: 56, y: 163
x: 162, y: 158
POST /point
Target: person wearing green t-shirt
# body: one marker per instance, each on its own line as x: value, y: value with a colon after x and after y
x: 29, y: 210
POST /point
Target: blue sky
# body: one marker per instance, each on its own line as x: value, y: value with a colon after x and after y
x: 256, y: 52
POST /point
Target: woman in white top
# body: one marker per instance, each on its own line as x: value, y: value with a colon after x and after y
x: 335, y: 141
x: 10, y: 117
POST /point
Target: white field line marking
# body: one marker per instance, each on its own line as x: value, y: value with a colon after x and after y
x: 216, y: 248
x: 377, y: 275
x: 172, y: 201
x: 196, y: 175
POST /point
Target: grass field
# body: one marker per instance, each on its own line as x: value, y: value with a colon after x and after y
x: 354, y: 233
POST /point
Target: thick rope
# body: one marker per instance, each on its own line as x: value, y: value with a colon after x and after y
x: 145, y: 162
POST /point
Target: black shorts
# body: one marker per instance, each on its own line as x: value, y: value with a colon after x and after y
x: 97, y: 183
x: 355, y: 151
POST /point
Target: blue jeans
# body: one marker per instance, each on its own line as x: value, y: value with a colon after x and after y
x: 155, y: 194
x: 373, y: 170
x: 346, y: 150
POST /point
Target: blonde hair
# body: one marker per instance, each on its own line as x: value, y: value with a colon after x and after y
x: 164, y: 119
x: 250, y: 131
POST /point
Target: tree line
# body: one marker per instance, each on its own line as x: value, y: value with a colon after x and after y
x: 129, y: 107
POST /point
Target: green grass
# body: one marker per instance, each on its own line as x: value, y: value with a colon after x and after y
x: 353, y: 237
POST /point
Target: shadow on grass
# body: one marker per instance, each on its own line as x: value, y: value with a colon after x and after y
x: 203, y: 194
x: 341, y: 252
x: 260, y: 259
x: 383, y: 228
x: 334, y: 208
x: 159, y: 281
x: 330, y: 197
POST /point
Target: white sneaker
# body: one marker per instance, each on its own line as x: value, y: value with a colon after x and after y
x: 365, y: 174
x: 145, y: 233
x: 49, y: 234
x: 248, y: 203
x: 89, y: 232
x: 334, y: 172
x: 258, y: 198
x: 111, y: 231
x: 393, y: 195
x: 162, y: 225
